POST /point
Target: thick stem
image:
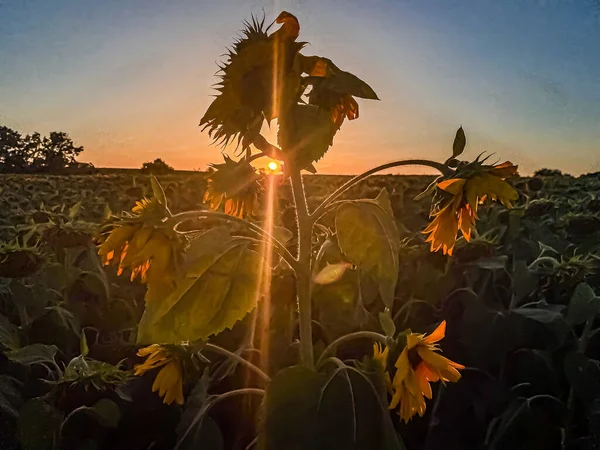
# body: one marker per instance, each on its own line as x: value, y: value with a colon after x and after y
x: 445, y: 170
x: 303, y: 278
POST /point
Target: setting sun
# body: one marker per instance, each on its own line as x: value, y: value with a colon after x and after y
x: 273, y: 166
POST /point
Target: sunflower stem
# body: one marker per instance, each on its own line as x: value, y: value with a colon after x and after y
x: 303, y: 278
x: 322, y: 209
x: 377, y: 337
x: 239, y: 359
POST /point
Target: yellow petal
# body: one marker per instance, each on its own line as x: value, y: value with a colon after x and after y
x: 453, y: 186
x: 421, y: 375
x: 437, y: 335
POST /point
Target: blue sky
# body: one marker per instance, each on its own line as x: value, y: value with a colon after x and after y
x: 130, y: 79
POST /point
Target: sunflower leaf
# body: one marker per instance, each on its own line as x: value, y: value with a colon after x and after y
x: 290, y: 410
x: 158, y: 191
x: 218, y: 289
x: 351, y: 415
x: 460, y: 141
x: 584, y: 305
x: 196, y: 430
x: 331, y: 273
x: 368, y: 236
x: 338, y: 80
x: 38, y: 425
x: 33, y: 354
x: 9, y: 337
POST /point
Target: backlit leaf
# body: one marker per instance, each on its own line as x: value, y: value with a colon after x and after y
x: 218, y: 289
x: 331, y: 273
x: 387, y: 323
x: 368, y: 236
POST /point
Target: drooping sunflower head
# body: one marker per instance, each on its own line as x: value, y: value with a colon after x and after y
x: 145, y: 243
x: 257, y: 76
x: 169, y: 380
x: 151, y: 252
x: 457, y: 199
x: 175, y: 363
x: 418, y: 365
x: 237, y: 184
x: 19, y: 261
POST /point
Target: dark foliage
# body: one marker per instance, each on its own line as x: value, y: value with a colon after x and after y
x: 34, y: 153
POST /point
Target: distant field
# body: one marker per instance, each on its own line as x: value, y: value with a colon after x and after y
x: 120, y: 188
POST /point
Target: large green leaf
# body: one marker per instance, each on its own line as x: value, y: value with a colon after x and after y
x: 33, y: 354
x: 197, y: 430
x: 524, y: 281
x: 367, y: 234
x: 38, y: 425
x: 351, y: 416
x: 584, y: 305
x: 218, y: 289
x: 290, y: 409
x: 305, y: 410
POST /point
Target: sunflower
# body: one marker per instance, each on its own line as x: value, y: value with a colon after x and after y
x: 169, y: 380
x: 417, y: 366
x: 464, y: 195
x: 236, y: 183
x: 149, y: 250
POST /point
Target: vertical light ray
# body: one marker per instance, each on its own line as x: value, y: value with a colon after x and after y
x: 265, y: 272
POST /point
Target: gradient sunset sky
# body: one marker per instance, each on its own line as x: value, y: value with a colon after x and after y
x: 130, y: 79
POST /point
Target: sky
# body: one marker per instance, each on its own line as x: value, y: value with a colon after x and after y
x: 130, y: 79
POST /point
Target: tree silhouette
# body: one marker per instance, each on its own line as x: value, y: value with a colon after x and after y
x: 36, y: 153
x: 157, y: 167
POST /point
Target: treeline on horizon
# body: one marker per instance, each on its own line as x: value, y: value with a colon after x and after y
x: 57, y: 153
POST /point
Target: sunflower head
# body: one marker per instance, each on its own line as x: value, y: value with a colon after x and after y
x: 236, y: 184
x: 144, y: 243
x: 457, y: 199
x: 19, y: 261
x: 418, y: 365
x: 169, y: 380
x: 174, y: 362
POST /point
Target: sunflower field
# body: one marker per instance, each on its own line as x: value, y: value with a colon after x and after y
x: 247, y: 308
